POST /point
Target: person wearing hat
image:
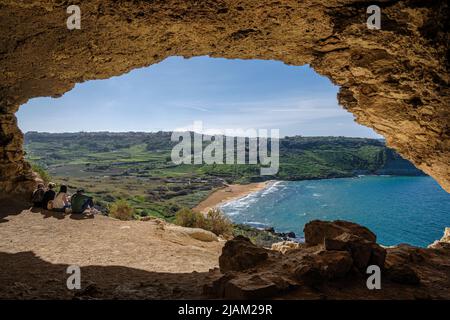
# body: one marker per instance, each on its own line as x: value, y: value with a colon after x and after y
x: 81, y: 202
x: 49, y: 195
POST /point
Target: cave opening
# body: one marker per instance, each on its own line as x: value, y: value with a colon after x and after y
x: 112, y: 137
x: 394, y: 80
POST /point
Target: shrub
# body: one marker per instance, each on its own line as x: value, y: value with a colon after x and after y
x: 186, y: 217
x: 214, y: 221
x: 45, y: 176
x: 121, y: 210
x: 218, y: 223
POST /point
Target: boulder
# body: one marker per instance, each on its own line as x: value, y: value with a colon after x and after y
x: 270, y: 229
x: 443, y: 243
x: 403, y: 274
x: 248, y: 286
x: 240, y: 254
x: 285, y: 246
x: 363, y: 252
x: 359, y: 241
x: 308, y: 273
x: 378, y: 256
x: 316, y: 231
x: 194, y: 233
x: 446, y: 237
x: 286, y: 235
x: 324, y: 265
x: 334, y: 264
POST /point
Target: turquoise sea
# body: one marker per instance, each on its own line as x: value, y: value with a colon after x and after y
x: 412, y: 210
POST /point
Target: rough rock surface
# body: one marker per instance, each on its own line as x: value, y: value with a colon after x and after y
x: 316, y: 231
x: 443, y: 242
x: 118, y: 259
x: 285, y: 246
x: 394, y: 80
x: 149, y: 260
x: 241, y: 254
x: 337, y: 271
x: 194, y: 233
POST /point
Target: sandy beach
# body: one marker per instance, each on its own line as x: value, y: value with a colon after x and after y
x: 229, y: 193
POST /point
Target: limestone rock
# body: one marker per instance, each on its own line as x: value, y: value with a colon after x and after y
x: 248, y: 286
x: 240, y: 254
x: 331, y: 268
x: 285, y: 246
x: 194, y: 233
x: 317, y: 231
x: 403, y: 274
x: 334, y: 264
x: 363, y: 252
x: 325, y: 265
x: 444, y: 242
x: 446, y: 236
x: 308, y: 273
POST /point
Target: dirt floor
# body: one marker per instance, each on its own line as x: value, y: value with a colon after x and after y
x: 118, y: 259
x: 153, y: 260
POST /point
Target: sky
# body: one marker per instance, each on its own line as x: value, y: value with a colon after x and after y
x: 221, y: 93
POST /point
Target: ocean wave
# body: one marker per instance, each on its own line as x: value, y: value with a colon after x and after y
x: 271, y: 188
x: 232, y: 213
x: 247, y: 200
x: 257, y: 224
x: 241, y: 203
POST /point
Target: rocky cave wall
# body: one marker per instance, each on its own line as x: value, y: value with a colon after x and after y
x: 394, y: 80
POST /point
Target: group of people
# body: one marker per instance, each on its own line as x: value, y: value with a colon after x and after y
x: 48, y: 199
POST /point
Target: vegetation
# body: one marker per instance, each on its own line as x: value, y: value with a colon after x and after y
x: 189, y: 218
x: 45, y: 176
x: 121, y: 210
x: 259, y: 237
x: 218, y: 223
x: 137, y: 166
x: 214, y: 221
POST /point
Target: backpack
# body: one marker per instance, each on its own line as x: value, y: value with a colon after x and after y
x: 38, y: 196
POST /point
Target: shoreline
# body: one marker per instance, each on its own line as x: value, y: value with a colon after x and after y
x: 229, y: 193
x: 234, y: 192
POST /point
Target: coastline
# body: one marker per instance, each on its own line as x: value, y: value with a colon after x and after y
x: 230, y: 193
x: 234, y: 192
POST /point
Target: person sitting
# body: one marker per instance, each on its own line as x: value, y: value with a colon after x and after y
x: 38, y: 196
x: 49, y: 195
x: 81, y: 202
x: 61, y: 201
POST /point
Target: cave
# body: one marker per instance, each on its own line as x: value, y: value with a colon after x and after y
x: 394, y: 80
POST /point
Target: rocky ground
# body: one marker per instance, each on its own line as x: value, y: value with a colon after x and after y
x: 118, y: 259
x: 155, y: 260
x: 332, y: 264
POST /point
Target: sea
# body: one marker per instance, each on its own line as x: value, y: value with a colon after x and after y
x: 398, y: 209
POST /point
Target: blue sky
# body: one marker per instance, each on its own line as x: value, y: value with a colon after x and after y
x: 223, y: 94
